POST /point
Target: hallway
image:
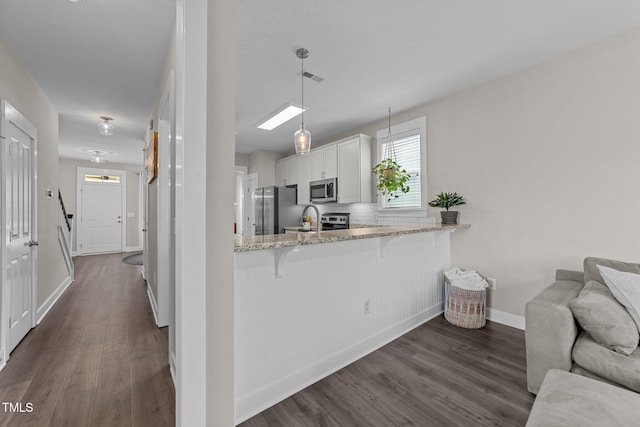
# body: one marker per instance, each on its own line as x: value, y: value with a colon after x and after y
x: 97, y: 358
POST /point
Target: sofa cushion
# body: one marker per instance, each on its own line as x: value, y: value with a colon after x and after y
x: 607, y: 363
x: 606, y: 320
x: 591, y: 271
x: 567, y: 399
x: 593, y: 286
x: 626, y: 288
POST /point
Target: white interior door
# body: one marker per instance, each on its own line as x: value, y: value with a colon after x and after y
x: 101, y: 217
x: 18, y: 147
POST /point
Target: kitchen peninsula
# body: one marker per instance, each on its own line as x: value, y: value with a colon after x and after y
x: 308, y: 304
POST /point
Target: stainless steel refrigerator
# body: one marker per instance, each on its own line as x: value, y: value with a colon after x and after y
x: 276, y: 208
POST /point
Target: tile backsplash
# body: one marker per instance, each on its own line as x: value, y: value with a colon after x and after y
x: 367, y: 213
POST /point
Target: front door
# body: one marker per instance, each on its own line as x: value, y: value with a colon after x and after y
x: 18, y: 145
x: 101, y: 217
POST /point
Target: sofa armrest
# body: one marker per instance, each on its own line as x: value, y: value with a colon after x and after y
x: 569, y: 275
x: 550, y: 331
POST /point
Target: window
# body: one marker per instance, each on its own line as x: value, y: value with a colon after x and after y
x: 409, y: 143
x: 102, y: 178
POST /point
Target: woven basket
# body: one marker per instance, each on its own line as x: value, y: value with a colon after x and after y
x: 463, y: 307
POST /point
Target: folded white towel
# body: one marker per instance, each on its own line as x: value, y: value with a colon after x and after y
x: 470, y: 280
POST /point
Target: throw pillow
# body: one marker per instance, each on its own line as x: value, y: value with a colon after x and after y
x: 626, y: 288
x: 606, y: 320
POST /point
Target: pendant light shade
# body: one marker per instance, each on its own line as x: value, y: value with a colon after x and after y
x: 105, y: 127
x: 302, y: 138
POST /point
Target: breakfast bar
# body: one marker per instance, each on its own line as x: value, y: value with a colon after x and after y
x: 308, y: 304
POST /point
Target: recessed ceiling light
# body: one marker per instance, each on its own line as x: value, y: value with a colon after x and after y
x: 281, y: 116
x: 76, y: 1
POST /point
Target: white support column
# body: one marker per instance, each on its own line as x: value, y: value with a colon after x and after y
x: 221, y: 111
x: 205, y: 137
x: 191, y: 257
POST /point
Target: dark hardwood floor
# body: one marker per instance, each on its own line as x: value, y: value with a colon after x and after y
x: 436, y: 375
x: 97, y: 358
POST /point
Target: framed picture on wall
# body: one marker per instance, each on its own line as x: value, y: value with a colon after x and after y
x: 151, y: 154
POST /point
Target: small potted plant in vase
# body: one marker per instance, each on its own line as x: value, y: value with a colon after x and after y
x: 446, y: 201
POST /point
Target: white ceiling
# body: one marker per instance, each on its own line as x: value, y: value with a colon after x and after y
x: 94, y: 58
x: 105, y: 57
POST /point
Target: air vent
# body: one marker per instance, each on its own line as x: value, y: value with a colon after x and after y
x: 311, y: 76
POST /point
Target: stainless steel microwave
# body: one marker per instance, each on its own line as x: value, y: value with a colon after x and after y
x: 324, y: 190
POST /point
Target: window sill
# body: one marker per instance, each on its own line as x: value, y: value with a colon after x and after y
x: 401, y: 211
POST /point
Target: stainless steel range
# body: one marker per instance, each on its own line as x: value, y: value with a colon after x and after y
x: 335, y: 221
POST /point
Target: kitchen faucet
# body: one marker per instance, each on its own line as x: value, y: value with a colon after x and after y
x: 318, y: 221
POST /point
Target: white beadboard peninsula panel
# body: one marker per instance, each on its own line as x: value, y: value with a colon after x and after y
x: 294, y: 330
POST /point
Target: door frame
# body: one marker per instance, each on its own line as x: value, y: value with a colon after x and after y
x: 165, y: 264
x: 80, y: 173
x: 10, y: 114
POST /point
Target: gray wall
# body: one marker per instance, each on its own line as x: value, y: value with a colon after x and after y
x: 20, y: 90
x: 547, y: 160
x: 263, y: 162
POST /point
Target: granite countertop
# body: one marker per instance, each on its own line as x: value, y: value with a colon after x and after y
x: 273, y: 241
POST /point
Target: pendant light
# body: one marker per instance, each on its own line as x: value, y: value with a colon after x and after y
x: 97, y: 158
x: 105, y: 127
x: 302, y: 138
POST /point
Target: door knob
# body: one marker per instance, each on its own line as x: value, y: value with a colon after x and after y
x: 144, y: 229
x: 31, y: 243
x: 119, y: 221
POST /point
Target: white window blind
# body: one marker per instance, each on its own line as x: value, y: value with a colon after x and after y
x: 407, y: 148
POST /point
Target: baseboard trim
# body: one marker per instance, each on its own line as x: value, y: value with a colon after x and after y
x: 153, y: 303
x: 172, y: 367
x: 251, y: 404
x: 132, y: 248
x: 505, y: 318
x: 53, y: 298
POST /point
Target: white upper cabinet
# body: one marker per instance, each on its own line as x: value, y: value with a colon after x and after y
x: 304, y: 176
x: 354, y: 170
x: 287, y: 171
x: 348, y: 159
x: 324, y: 162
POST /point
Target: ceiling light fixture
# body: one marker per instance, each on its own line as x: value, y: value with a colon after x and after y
x: 283, y: 115
x: 105, y: 127
x: 302, y: 138
x: 97, y: 158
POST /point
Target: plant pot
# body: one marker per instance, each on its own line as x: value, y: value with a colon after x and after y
x: 389, y: 173
x: 449, y: 217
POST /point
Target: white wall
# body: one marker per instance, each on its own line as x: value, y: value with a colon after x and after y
x: 20, y: 90
x: 547, y: 160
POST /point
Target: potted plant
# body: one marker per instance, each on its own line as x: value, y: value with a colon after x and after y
x: 446, y: 201
x: 392, y: 179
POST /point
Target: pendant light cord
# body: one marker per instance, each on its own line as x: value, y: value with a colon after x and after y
x: 302, y: 84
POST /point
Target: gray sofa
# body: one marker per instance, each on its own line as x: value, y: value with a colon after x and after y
x: 554, y: 340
